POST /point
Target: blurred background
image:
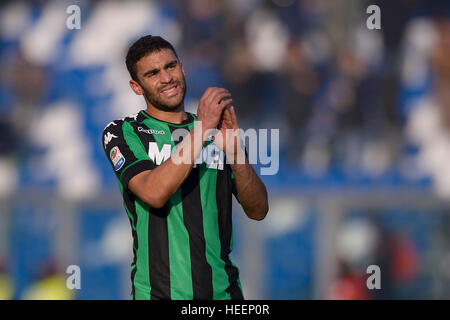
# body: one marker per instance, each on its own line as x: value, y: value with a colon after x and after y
x: 364, y: 119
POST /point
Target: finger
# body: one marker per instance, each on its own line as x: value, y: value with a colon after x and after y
x: 226, y: 118
x: 210, y: 92
x: 233, y: 116
x: 207, y: 92
x: 225, y: 103
x: 219, y: 96
x: 226, y: 115
x: 221, y: 122
x: 213, y: 91
x: 216, y: 90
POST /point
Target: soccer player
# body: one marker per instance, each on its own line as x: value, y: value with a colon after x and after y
x: 178, y: 194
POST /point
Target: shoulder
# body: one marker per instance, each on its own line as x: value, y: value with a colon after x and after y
x: 118, y: 128
x: 119, y: 124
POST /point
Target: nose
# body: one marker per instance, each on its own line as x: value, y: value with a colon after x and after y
x: 165, y: 76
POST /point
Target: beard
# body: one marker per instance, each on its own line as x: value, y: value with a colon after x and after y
x: 155, y: 99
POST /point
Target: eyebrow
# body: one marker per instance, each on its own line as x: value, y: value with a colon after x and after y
x: 156, y: 70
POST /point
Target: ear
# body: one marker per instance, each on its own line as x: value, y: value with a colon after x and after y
x: 136, y: 87
x: 182, y: 69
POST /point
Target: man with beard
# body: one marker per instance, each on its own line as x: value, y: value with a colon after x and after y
x: 178, y: 194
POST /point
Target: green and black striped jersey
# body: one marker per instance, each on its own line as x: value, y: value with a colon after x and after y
x: 181, y: 251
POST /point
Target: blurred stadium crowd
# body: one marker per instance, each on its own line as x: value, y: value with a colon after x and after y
x: 358, y: 110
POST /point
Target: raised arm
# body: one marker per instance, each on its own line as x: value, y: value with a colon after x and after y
x: 251, y: 191
x: 155, y: 187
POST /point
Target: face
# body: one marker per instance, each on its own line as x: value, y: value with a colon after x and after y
x: 161, y: 80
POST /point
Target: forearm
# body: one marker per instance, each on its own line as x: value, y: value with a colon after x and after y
x: 251, y: 192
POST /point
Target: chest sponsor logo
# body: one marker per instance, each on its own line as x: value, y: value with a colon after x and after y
x: 210, y: 155
x: 159, y: 156
x: 151, y: 131
x: 117, y: 158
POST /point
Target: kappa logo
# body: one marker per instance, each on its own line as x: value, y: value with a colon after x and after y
x: 108, y: 137
x: 117, y: 158
x: 151, y: 131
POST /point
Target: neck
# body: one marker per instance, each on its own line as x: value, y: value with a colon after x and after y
x: 176, y: 116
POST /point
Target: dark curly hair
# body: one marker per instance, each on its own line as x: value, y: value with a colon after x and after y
x: 142, y: 47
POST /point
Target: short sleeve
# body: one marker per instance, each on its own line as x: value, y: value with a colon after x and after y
x: 125, y: 151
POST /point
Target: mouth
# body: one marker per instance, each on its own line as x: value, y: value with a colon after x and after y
x: 170, y: 91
